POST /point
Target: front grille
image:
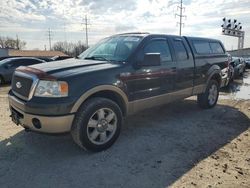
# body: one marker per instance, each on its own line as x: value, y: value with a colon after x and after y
x: 25, y: 84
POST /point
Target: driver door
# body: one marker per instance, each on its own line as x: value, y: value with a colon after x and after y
x: 150, y: 81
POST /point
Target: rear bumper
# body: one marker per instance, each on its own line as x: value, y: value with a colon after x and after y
x: 40, y: 123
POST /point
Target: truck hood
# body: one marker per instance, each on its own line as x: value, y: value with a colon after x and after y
x: 72, y: 66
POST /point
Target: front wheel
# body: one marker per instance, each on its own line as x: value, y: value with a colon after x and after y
x: 210, y: 97
x: 97, y: 124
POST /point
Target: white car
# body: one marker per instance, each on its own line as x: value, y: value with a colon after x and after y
x: 239, y: 66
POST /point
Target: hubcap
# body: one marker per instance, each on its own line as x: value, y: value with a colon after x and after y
x: 102, y: 126
x: 213, y: 94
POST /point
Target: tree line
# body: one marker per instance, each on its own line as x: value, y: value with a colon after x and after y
x: 69, y: 48
x: 11, y: 43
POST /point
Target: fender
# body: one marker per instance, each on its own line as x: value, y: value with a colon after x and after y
x: 213, y: 70
x: 98, y: 89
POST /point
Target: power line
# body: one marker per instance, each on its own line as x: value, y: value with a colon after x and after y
x: 180, y: 23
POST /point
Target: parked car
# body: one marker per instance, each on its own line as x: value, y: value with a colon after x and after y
x: 56, y: 58
x: 230, y: 71
x: 6, y: 57
x: 46, y: 59
x: 243, y: 62
x: 247, y: 60
x: 8, y: 66
x: 239, y: 66
x: 121, y: 75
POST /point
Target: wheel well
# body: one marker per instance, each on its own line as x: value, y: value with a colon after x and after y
x: 216, y: 77
x: 112, y: 96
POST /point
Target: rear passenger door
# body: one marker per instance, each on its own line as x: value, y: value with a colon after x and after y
x: 185, y: 67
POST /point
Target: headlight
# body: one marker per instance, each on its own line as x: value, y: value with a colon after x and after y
x: 51, y: 89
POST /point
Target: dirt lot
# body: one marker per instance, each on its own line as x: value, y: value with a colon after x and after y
x: 177, y: 145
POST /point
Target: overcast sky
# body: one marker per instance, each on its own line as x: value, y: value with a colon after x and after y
x: 30, y: 19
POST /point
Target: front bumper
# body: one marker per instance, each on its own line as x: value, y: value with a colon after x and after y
x: 47, y: 123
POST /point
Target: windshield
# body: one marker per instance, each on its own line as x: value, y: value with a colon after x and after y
x: 117, y: 48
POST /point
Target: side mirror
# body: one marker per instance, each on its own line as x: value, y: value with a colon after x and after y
x: 151, y: 59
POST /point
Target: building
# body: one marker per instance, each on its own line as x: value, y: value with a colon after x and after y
x: 30, y: 53
x: 245, y: 52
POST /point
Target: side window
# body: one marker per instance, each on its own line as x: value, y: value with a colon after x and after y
x: 31, y: 62
x: 159, y: 46
x: 14, y: 64
x: 180, y: 50
x: 216, y: 48
x: 9, y: 65
x: 19, y: 62
x: 202, y: 47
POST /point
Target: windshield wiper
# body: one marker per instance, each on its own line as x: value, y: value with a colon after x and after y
x: 97, y: 58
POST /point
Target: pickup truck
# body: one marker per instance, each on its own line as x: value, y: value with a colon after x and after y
x: 89, y: 96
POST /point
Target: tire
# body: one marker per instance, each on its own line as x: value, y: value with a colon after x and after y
x: 210, y: 97
x: 96, y: 120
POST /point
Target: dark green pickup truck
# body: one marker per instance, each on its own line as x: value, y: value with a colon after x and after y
x: 89, y: 96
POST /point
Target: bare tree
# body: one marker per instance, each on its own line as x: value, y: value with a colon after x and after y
x: 69, y: 48
x: 8, y: 42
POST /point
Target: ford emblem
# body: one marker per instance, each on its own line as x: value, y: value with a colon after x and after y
x: 18, y: 85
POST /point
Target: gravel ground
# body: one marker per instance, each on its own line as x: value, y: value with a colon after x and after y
x: 177, y: 145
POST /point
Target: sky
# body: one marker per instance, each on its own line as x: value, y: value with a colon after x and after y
x: 31, y: 19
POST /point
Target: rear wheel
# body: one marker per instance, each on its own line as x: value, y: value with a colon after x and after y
x: 97, y: 124
x: 210, y: 97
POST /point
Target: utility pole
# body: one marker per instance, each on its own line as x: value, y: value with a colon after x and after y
x: 180, y: 15
x: 86, y: 30
x: 49, y: 37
